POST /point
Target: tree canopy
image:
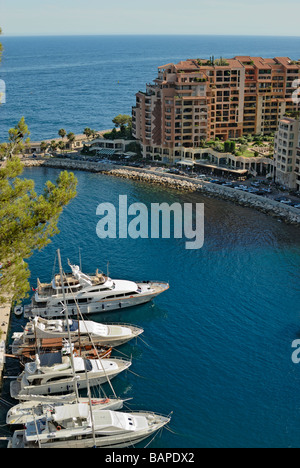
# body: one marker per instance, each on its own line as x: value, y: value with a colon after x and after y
x: 18, y: 137
x: 122, y: 120
x: 28, y: 222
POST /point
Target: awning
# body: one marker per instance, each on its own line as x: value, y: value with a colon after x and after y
x: 186, y: 163
x: 225, y: 169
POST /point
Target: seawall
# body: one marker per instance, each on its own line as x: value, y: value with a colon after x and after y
x: 266, y: 205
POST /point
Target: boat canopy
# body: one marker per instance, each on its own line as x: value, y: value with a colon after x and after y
x: 62, y: 413
x: 91, y: 327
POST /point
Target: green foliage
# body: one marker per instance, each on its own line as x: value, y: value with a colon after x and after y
x: 53, y: 145
x: 71, y: 137
x: 87, y: 132
x: 243, y: 148
x: 62, y: 133
x: 229, y: 146
x: 18, y: 137
x: 28, y: 222
x: 124, y: 123
x: 44, y: 146
x: 122, y: 120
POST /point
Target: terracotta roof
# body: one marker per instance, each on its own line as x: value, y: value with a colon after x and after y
x: 287, y: 120
x: 166, y: 66
x: 286, y: 62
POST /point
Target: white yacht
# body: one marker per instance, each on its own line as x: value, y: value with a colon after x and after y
x: 54, y: 373
x: 93, y: 294
x: 26, y: 411
x: 83, y: 331
x: 79, y: 426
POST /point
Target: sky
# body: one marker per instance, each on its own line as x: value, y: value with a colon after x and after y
x: 94, y: 17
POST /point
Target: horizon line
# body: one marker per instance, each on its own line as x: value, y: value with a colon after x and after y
x: 145, y: 35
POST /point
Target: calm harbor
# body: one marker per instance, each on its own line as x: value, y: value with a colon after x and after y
x: 225, y: 355
x: 187, y: 286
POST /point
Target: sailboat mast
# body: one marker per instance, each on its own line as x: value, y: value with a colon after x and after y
x: 90, y: 403
x: 67, y: 320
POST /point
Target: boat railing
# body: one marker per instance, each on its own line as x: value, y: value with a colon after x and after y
x: 121, y: 324
x: 152, y: 281
x: 154, y: 413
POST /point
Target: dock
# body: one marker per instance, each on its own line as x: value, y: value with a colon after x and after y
x: 5, y: 310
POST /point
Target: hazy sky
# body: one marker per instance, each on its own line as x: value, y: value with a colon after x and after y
x: 77, y: 17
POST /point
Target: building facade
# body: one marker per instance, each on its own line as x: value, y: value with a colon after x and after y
x: 287, y: 154
x: 197, y: 100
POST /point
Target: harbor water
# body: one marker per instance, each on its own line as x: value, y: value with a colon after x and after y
x: 219, y: 342
x: 218, y: 345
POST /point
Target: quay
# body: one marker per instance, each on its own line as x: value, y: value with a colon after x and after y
x: 285, y: 213
x: 5, y: 311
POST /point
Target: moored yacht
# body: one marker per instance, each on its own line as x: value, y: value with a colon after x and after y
x: 54, y: 373
x: 93, y: 294
x: 81, y: 331
x: 82, y: 427
x: 37, y: 408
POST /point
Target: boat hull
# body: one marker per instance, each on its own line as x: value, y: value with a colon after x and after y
x: 65, y: 385
x: 21, y: 414
x: 96, y: 305
x: 21, y: 342
x: 101, y: 441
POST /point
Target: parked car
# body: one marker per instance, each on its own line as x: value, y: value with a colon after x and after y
x: 286, y: 202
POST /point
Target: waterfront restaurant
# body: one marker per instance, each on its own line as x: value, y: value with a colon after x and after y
x: 217, y: 162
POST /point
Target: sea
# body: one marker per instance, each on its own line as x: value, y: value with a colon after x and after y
x: 217, y: 350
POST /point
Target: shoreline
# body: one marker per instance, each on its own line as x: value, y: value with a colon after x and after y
x: 5, y: 318
x: 288, y: 214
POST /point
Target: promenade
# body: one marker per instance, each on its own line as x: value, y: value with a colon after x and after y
x: 267, y: 205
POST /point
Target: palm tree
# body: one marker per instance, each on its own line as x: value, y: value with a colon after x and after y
x: 62, y: 133
x: 88, y: 132
x: 71, y: 138
x: 53, y: 145
x: 44, y: 146
x: 95, y: 134
x: 61, y: 146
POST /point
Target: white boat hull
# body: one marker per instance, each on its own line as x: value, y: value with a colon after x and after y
x: 21, y: 414
x: 96, y: 305
x: 65, y: 385
x: 101, y: 441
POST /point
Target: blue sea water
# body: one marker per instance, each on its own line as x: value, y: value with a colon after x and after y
x: 75, y: 82
x: 219, y: 342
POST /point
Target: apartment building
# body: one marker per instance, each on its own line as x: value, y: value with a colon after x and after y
x: 198, y: 100
x: 287, y: 154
